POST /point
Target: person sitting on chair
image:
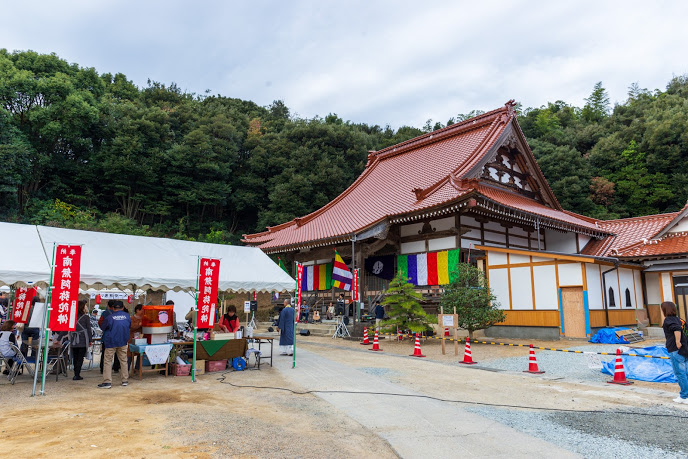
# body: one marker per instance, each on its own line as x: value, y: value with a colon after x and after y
x: 7, y: 337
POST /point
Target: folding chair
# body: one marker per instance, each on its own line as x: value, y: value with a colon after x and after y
x: 20, y: 361
x: 59, y: 362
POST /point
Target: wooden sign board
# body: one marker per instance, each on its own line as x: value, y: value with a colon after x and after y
x: 449, y: 321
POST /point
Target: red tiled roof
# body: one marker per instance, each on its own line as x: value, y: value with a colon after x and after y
x: 627, y: 232
x: 671, y: 244
x: 418, y: 174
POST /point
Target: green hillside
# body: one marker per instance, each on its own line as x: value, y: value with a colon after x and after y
x: 93, y: 151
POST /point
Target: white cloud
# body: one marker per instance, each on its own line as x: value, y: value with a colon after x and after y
x: 396, y: 62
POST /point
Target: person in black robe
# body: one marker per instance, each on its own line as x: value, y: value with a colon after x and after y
x: 285, y: 327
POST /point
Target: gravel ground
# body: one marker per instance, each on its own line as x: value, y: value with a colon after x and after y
x: 598, y: 435
x: 558, y: 364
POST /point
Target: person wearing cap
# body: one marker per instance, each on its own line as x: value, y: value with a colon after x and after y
x: 115, y: 342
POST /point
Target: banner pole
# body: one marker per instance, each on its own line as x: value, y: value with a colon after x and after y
x: 46, y: 330
x: 296, y: 299
x: 195, y: 325
x: 10, y: 303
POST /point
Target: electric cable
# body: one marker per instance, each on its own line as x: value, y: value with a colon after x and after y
x: 223, y: 380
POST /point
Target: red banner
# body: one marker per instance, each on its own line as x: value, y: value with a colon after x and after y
x: 255, y: 296
x: 355, y: 293
x: 22, y: 305
x: 64, y: 297
x: 209, y: 277
x: 299, y: 279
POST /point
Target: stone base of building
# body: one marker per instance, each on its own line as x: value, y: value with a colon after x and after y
x: 519, y: 332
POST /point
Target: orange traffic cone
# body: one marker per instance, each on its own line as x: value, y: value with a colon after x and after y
x: 376, y: 345
x: 467, y: 356
x: 532, y: 363
x: 446, y: 331
x: 619, y: 372
x: 416, y: 349
x: 365, y: 336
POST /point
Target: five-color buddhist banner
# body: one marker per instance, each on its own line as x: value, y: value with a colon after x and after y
x: 431, y: 268
x: 317, y: 277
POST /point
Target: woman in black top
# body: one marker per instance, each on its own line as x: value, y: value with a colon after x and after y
x: 80, y: 339
x: 677, y: 345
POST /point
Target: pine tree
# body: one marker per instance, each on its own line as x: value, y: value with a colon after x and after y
x: 469, y: 295
x: 405, y: 312
x: 597, y: 105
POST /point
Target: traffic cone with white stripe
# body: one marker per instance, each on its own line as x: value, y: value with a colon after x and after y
x: 416, y: 349
x: 446, y: 331
x: 366, y: 341
x: 376, y: 344
x: 467, y: 355
x: 619, y: 372
x: 532, y: 363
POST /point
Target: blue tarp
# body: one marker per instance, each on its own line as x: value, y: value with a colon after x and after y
x: 645, y: 369
x: 608, y: 336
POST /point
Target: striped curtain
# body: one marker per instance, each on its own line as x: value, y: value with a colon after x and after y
x: 432, y: 268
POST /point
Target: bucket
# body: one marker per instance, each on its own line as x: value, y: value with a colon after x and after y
x: 157, y: 319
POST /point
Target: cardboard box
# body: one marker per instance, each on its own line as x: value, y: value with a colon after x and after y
x: 217, y: 336
x: 200, y: 367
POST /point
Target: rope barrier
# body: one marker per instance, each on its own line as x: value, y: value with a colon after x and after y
x: 460, y: 340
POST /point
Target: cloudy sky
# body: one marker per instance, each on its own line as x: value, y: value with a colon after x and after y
x: 380, y: 62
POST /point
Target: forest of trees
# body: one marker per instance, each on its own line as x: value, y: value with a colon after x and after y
x: 86, y: 150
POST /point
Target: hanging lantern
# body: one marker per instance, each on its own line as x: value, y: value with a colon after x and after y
x: 130, y: 298
x: 98, y: 299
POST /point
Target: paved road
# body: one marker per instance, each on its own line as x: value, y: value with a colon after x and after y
x: 414, y: 427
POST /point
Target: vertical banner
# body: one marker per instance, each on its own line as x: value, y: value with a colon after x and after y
x: 255, y: 295
x: 355, y: 292
x: 65, y: 293
x: 299, y: 279
x: 22, y: 304
x: 209, y: 276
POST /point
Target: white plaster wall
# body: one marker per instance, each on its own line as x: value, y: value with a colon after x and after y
x: 626, y: 279
x: 539, y: 259
x: 515, y: 258
x: 592, y: 272
x: 521, y: 288
x: 494, y: 226
x: 613, y: 282
x: 494, y: 244
x: 517, y: 240
x: 410, y: 230
x: 466, y: 244
x: 499, y: 283
x: 560, y: 242
x: 323, y: 261
x: 582, y: 241
x: 496, y: 258
x: 667, y: 282
x: 443, y: 224
x: 681, y: 226
x: 546, y: 295
x: 413, y: 247
x: 638, y: 290
x: 516, y: 231
x: 465, y: 220
x: 442, y: 243
x: 495, y: 237
x: 570, y: 274
x: 654, y: 296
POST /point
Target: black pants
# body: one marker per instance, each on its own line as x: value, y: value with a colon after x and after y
x: 78, y: 354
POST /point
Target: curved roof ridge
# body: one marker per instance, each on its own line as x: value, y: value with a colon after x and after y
x: 441, y: 134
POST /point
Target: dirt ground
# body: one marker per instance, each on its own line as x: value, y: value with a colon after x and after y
x: 172, y: 417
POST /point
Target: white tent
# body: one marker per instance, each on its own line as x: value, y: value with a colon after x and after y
x: 22, y: 260
x: 123, y: 261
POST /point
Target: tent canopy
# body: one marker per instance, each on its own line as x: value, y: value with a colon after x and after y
x: 127, y: 262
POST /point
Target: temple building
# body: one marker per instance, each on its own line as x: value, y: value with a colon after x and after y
x: 473, y: 192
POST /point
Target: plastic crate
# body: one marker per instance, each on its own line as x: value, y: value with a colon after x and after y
x: 215, y: 365
x: 180, y: 370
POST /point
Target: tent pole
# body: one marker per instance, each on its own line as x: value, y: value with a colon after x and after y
x: 46, y: 330
x: 10, y: 303
x: 195, y: 325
